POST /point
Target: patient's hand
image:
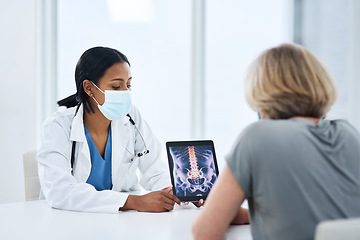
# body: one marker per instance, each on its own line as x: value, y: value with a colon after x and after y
x: 198, y: 204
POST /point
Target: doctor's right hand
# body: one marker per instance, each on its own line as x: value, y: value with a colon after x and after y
x: 158, y: 201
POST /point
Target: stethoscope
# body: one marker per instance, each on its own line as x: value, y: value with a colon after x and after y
x: 146, y: 150
x: 135, y: 155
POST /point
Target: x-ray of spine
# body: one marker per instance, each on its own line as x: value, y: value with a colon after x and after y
x: 194, y: 170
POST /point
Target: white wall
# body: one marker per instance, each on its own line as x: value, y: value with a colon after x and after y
x: 17, y: 93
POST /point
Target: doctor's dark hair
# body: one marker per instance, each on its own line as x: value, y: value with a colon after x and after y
x: 91, y: 66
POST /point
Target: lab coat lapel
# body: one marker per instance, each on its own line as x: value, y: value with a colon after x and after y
x: 77, y: 127
x: 82, y: 164
x: 120, y: 137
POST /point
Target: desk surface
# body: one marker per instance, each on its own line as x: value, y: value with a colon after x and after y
x: 36, y: 220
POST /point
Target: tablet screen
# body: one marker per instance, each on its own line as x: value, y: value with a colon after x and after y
x: 193, y: 168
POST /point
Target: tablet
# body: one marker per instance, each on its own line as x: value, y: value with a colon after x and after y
x: 193, y: 168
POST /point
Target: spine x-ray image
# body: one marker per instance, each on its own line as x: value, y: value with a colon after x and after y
x: 193, y: 170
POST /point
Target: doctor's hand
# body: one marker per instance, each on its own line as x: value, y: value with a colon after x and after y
x: 158, y: 201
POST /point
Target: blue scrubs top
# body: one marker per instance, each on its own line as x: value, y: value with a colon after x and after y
x: 100, y: 175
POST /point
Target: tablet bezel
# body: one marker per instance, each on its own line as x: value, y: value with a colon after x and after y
x: 171, y: 165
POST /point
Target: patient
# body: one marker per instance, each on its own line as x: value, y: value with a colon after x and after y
x: 294, y: 168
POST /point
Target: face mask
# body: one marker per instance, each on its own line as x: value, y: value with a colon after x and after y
x: 117, y: 103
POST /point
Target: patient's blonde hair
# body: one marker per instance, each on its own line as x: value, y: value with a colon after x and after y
x: 288, y: 81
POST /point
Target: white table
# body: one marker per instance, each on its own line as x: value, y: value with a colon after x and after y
x: 36, y: 220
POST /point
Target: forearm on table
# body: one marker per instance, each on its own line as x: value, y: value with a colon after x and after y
x: 130, y: 204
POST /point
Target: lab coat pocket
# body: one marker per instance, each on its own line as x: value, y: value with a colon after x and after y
x: 127, y: 176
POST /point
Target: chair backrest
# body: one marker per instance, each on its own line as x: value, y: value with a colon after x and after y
x: 342, y: 229
x: 31, y: 176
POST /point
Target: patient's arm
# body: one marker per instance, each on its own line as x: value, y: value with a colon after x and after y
x: 242, y: 217
x: 221, y: 208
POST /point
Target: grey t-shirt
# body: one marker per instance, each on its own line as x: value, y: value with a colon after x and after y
x: 295, y: 174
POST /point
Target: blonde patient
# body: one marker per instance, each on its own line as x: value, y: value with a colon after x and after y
x: 294, y: 167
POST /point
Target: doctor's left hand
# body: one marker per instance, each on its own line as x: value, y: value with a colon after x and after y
x: 158, y: 201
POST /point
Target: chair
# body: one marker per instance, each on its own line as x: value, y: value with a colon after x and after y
x: 341, y: 229
x: 31, y: 176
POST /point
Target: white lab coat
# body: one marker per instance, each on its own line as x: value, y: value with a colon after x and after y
x: 63, y: 190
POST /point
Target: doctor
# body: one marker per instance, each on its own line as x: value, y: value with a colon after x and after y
x: 89, y: 152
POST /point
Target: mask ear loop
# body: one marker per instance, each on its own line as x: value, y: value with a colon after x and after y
x: 92, y: 95
x: 97, y: 87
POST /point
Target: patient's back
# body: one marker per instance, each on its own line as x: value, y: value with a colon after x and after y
x: 295, y: 174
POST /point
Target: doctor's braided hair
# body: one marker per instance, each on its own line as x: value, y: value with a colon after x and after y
x: 92, y: 66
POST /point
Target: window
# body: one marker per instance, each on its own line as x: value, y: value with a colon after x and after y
x: 236, y: 32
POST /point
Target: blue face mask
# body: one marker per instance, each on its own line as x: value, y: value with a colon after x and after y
x: 117, y: 103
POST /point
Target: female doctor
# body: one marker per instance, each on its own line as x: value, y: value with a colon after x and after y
x: 89, y: 152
